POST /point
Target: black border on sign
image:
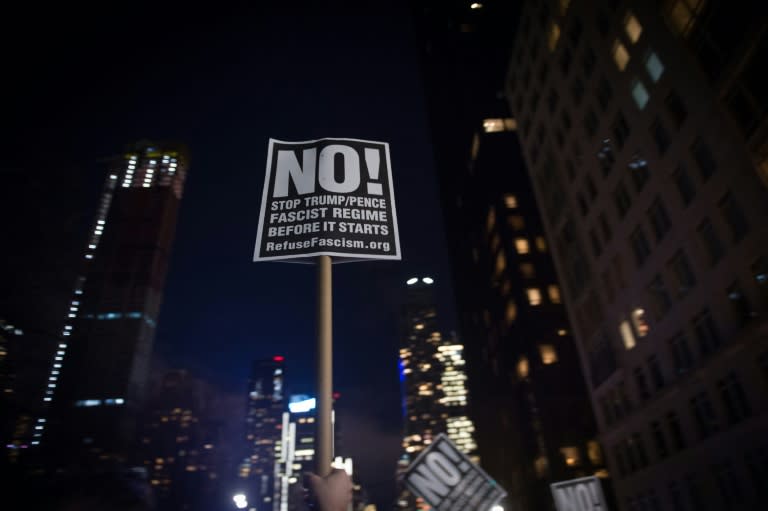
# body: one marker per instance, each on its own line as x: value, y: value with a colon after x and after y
x: 571, y: 482
x: 426, y: 451
x: 340, y: 257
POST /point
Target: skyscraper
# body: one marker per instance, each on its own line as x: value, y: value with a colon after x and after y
x: 530, y: 405
x: 98, y: 373
x: 432, y: 378
x: 643, y: 125
x: 263, y: 423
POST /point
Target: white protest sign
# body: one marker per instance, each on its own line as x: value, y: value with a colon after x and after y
x: 332, y: 196
x: 583, y: 494
x: 448, y: 480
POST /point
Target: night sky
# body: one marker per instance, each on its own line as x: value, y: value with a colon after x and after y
x: 223, y: 78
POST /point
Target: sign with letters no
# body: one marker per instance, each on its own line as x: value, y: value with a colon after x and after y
x: 448, y: 480
x: 583, y: 494
x: 332, y: 196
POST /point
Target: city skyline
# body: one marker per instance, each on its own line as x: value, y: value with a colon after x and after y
x: 632, y: 273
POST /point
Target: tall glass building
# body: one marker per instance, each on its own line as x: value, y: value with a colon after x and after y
x: 98, y: 373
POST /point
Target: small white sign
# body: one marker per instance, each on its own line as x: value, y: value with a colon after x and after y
x: 583, y: 494
x: 448, y: 480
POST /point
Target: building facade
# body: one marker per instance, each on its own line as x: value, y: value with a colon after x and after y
x: 433, y: 381
x: 530, y: 405
x: 263, y: 422
x: 99, y: 371
x: 644, y: 132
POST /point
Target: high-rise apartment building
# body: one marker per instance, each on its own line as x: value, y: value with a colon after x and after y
x: 643, y: 125
x: 263, y: 423
x: 530, y: 405
x: 98, y: 373
x: 432, y: 377
x: 433, y: 380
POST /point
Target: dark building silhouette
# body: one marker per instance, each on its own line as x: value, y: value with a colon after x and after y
x: 180, y: 441
x: 98, y: 373
x: 643, y: 126
x: 531, y: 408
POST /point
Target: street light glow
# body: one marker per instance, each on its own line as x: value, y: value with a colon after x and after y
x: 497, y: 508
x: 240, y: 501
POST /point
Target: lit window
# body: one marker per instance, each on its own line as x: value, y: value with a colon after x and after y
x: 476, y: 5
x: 541, y: 245
x: 493, y: 125
x: 571, y: 456
x: 554, y: 293
x: 640, y: 94
x: 561, y: 332
x: 620, y: 55
x: 627, y: 337
x: 548, y: 354
x: 521, y: 246
x: 534, y: 296
x: 522, y: 367
x: 501, y: 262
x: 632, y: 27
x: 491, y: 220
x: 654, y: 66
x: 682, y: 14
x: 553, y: 36
x: 511, y: 312
x: 510, y: 201
x: 639, y: 322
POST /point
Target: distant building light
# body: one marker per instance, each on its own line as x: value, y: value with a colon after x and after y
x: 46, y: 399
x: 112, y: 176
x: 240, y: 501
x: 476, y: 5
x: 278, y: 358
x: 88, y: 402
x: 119, y: 401
x: 412, y: 281
x: 302, y: 407
x: 89, y: 256
x: 428, y: 280
x: 100, y: 222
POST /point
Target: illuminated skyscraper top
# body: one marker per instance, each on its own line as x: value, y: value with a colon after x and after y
x: 98, y: 373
